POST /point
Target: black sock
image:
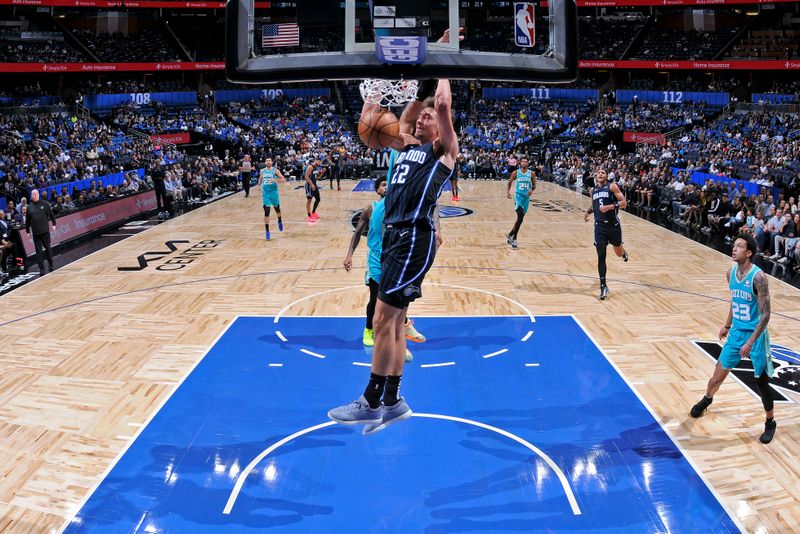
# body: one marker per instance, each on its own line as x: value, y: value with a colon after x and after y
x: 770, y: 419
x: 374, y: 390
x: 602, y: 281
x: 267, y: 226
x: 517, y: 223
x: 392, y: 394
x: 280, y: 220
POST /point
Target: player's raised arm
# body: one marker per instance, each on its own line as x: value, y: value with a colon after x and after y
x: 448, y: 141
x: 412, y: 109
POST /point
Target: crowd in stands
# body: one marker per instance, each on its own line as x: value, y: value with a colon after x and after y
x: 158, y: 118
x: 22, y: 89
x: 666, y: 44
x: 719, y: 84
x: 785, y: 87
x: 47, y: 51
x: 759, y: 147
x: 642, y: 84
x: 606, y: 121
x: 649, y: 117
x: 782, y: 43
x: 122, y: 86
x: 501, y: 39
x: 294, y: 130
x: 606, y: 38
x: 504, y: 124
x: 48, y: 149
x: 146, y: 45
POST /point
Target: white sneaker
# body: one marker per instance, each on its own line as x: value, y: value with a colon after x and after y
x: 774, y: 256
x: 783, y: 260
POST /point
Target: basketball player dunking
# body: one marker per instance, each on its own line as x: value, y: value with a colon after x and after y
x: 606, y: 201
x: 425, y: 162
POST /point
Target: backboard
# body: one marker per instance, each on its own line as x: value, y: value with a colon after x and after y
x: 310, y: 40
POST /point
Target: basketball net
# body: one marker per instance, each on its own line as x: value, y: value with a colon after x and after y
x: 387, y: 93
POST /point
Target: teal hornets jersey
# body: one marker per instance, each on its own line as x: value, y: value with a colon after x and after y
x: 746, y: 312
x: 375, y: 233
x: 392, y: 156
x: 268, y: 177
x: 375, y: 242
x: 524, y: 183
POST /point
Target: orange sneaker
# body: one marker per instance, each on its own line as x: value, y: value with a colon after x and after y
x: 412, y: 334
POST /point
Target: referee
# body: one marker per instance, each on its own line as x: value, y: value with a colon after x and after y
x: 39, y: 213
x: 247, y: 172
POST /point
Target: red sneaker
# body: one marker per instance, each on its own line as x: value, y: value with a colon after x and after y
x: 314, y: 215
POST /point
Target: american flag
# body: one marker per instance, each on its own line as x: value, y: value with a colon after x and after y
x: 287, y: 34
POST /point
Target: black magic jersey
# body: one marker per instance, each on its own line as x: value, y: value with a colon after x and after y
x: 603, y: 196
x: 417, y: 180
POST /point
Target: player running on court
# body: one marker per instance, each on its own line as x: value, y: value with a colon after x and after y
x: 607, y: 199
x: 526, y: 183
x: 269, y: 177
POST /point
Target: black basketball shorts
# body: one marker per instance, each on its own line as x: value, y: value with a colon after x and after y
x: 312, y: 193
x: 607, y: 234
x: 408, y: 254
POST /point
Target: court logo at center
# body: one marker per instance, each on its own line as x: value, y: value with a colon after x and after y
x: 785, y: 360
x: 449, y: 212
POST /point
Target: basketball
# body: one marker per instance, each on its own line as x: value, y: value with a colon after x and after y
x: 377, y: 129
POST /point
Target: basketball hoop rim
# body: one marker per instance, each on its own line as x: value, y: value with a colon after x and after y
x: 388, y: 93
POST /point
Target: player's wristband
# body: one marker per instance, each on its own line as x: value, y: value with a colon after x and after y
x: 426, y: 88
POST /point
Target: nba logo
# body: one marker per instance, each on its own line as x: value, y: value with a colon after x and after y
x: 524, y: 33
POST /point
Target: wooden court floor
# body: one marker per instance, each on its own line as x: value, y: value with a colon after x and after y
x: 88, y: 353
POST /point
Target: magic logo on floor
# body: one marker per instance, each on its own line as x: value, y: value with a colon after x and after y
x: 785, y: 360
